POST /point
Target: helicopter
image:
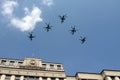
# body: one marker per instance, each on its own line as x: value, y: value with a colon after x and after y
x: 73, y: 30
x: 48, y: 27
x: 31, y: 36
x: 62, y: 18
x: 83, y: 39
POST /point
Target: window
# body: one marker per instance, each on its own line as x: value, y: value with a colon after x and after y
x: 52, y: 78
x: 12, y: 63
x: 61, y: 78
x: 20, y: 63
x: 31, y: 78
x: 17, y: 77
x: 44, y: 65
x: 7, y: 77
x: 26, y: 77
x: 112, y: 77
x: 51, y: 66
x: 36, y: 78
x: 88, y: 79
x: 58, y: 67
x: 84, y: 79
x: 3, y: 62
x: 0, y: 75
x: 44, y: 78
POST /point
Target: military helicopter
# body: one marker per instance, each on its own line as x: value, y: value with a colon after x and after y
x: 31, y: 36
x: 48, y: 27
x: 83, y: 39
x: 73, y: 30
x: 62, y: 18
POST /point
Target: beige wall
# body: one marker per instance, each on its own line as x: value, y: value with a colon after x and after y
x: 27, y: 62
x: 16, y: 70
x: 70, y: 78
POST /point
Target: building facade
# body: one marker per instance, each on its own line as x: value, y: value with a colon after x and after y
x: 36, y: 69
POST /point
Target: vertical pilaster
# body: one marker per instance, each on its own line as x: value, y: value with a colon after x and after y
x: 117, y: 78
x: 3, y: 77
x: 47, y: 66
x: 0, y: 61
x: 12, y: 77
x: 22, y: 78
x: 108, y: 78
x: 48, y: 78
x: 40, y: 78
x: 57, y: 79
x: 55, y: 67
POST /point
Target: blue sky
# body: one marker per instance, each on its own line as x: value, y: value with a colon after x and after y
x: 98, y: 20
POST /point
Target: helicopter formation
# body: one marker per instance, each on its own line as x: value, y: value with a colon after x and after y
x: 49, y: 27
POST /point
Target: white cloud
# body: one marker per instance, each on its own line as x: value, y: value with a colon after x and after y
x: 47, y: 2
x: 28, y: 22
x: 31, y: 18
x: 26, y: 10
x: 8, y: 8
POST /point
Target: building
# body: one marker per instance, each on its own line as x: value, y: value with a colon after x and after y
x: 36, y: 69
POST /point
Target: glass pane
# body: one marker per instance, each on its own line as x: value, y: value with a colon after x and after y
x: 51, y: 66
x: 7, y: 77
x: 17, y: 77
x: 31, y: 78
x: 52, y: 78
x: 20, y: 63
x: 44, y: 65
x: 37, y: 78
x: 58, y: 67
x: 25, y: 78
x: 44, y: 78
x: 61, y: 78
x: 3, y: 62
x: 11, y: 63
